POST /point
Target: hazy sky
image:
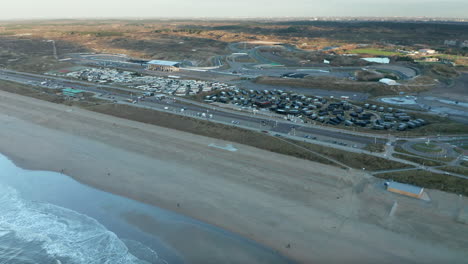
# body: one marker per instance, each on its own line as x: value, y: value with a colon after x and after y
x: 229, y: 8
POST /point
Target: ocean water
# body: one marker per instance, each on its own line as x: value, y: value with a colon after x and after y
x: 48, y: 217
x: 37, y: 226
x: 35, y: 232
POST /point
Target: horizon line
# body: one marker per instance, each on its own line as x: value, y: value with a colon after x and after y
x: 312, y: 18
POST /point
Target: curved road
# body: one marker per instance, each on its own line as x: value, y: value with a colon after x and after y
x: 403, y: 71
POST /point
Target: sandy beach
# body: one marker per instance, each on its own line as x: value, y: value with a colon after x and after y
x: 309, y: 212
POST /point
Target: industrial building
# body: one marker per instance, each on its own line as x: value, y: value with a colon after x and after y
x: 166, y: 66
x: 405, y: 189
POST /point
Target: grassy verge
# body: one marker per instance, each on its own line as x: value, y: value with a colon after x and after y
x: 422, y: 161
x: 49, y: 95
x: 456, y: 169
x: 375, y: 147
x: 464, y: 163
x: 429, y: 180
x: 247, y: 137
x: 398, y: 148
x: 401, y: 150
x: 354, y: 160
x: 207, y: 128
x: 211, y: 129
x: 423, y: 147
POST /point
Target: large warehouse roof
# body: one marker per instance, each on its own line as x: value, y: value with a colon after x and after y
x: 164, y: 63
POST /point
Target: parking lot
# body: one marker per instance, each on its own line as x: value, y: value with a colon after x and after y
x: 172, y: 85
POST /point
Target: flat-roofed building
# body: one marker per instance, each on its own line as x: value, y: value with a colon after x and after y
x: 72, y: 92
x: 405, y: 189
x: 161, y: 65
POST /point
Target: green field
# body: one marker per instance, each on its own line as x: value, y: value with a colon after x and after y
x: 376, y: 52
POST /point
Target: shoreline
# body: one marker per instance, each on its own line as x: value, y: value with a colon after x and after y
x: 165, y: 232
x: 276, y: 200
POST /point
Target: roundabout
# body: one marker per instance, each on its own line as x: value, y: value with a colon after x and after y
x: 430, y: 149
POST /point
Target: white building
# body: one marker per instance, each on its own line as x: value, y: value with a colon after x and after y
x: 377, y: 60
x: 388, y: 81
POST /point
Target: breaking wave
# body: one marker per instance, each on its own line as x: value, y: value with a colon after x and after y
x: 34, y: 232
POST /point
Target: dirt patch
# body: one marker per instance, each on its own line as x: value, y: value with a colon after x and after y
x: 375, y: 147
x: 444, y: 71
x: 367, y: 75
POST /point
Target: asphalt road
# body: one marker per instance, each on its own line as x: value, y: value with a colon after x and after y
x: 249, y: 120
x: 325, y: 136
x: 402, y: 71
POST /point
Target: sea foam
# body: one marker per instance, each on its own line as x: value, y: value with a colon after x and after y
x: 61, y: 232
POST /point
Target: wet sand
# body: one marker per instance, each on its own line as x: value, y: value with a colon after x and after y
x: 145, y: 229
x: 310, y: 212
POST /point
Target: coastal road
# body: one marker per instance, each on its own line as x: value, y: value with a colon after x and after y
x: 218, y: 113
x: 326, y: 136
